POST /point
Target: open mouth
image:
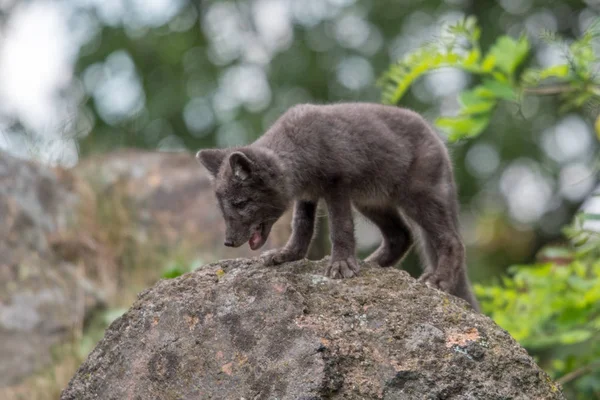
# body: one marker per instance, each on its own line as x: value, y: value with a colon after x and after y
x: 259, y: 236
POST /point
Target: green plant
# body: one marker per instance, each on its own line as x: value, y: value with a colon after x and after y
x: 501, y: 72
x: 179, y: 266
x: 553, y: 307
x: 173, y: 271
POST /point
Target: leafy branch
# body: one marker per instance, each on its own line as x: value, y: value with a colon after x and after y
x: 555, y: 302
x: 575, y: 81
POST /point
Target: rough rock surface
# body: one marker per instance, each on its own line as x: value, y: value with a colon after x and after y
x: 42, y: 297
x: 239, y: 330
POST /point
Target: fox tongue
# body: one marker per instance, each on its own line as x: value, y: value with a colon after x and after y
x: 255, y: 239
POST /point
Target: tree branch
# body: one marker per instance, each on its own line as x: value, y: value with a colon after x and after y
x: 558, y: 89
x: 549, y: 90
x: 571, y: 376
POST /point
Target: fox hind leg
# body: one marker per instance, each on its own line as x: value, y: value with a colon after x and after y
x: 396, y: 236
x: 441, y: 242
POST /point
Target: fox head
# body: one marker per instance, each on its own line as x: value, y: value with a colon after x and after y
x: 251, y: 192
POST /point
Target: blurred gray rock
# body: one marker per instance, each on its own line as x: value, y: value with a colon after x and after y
x: 170, y: 201
x: 239, y: 330
x: 43, y: 298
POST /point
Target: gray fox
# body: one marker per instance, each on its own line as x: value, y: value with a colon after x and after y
x: 385, y: 161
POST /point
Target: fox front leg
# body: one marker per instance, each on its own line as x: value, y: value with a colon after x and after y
x: 303, y: 227
x: 343, y: 258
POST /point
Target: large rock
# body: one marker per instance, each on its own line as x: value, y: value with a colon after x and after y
x: 239, y: 330
x: 43, y: 298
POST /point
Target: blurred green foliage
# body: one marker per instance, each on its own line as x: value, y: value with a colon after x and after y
x: 575, y: 80
x: 553, y: 308
x: 179, y: 266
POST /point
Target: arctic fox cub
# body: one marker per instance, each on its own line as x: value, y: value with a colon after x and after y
x: 385, y: 161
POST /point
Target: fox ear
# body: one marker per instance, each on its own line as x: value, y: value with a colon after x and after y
x: 241, y: 165
x: 211, y: 159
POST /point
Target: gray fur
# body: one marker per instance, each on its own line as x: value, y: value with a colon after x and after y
x: 385, y: 161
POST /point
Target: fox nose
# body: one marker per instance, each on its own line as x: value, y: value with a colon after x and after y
x: 228, y: 243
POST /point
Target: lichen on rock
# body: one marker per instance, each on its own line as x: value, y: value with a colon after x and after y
x: 287, y: 332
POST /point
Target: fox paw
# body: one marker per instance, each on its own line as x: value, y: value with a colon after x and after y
x: 278, y: 256
x: 437, y: 281
x: 341, y: 269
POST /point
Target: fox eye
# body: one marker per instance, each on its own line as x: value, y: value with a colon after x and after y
x: 240, y: 203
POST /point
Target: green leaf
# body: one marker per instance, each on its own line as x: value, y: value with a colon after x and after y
x: 499, y: 76
x: 463, y: 126
x: 478, y: 108
x: 401, y: 75
x: 556, y: 71
x: 484, y: 92
x: 499, y: 89
x: 488, y: 63
x: 473, y: 103
x: 531, y: 76
x: 509, y: 53
x: 173, y: 272
x: 472, y: 57
x: 469, y: 98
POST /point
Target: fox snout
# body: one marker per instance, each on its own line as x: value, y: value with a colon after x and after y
x: 235, y: 237
x: 256, y: 235
x: 229, y: 242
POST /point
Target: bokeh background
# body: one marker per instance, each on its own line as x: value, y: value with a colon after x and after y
x: 87, y: 76
x: 82, y: 77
